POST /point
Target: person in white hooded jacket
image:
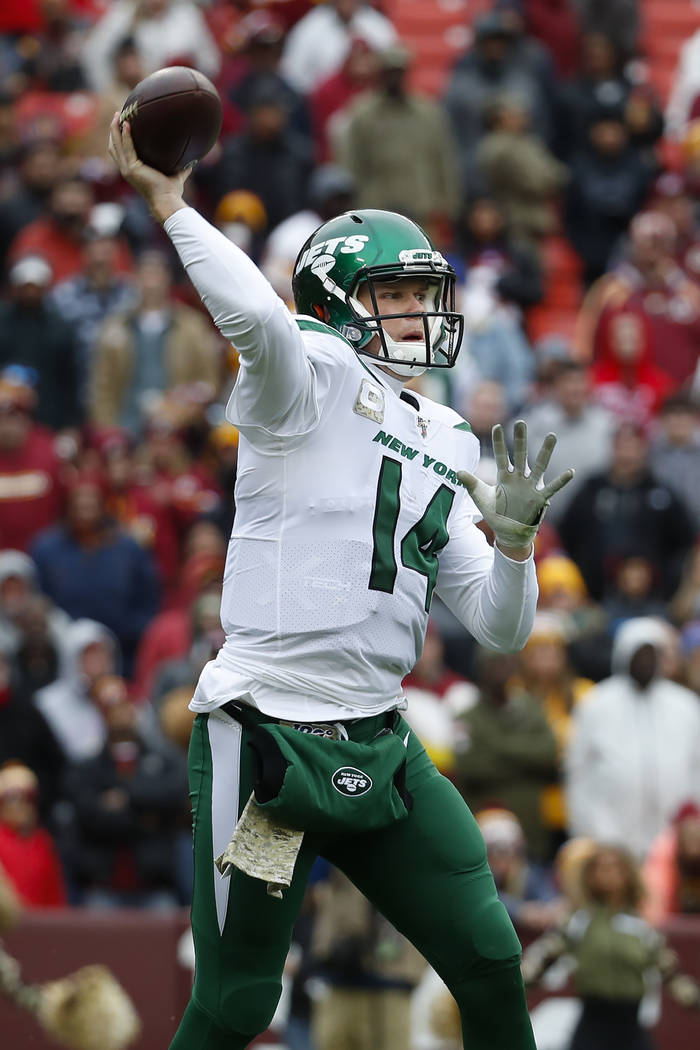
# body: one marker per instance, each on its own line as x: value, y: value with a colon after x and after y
x: 88, y: 651
x: 634, y: 754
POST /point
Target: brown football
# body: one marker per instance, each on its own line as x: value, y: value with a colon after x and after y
x: 175, y: 118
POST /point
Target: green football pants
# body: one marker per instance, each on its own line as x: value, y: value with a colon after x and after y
x: 427, y: 874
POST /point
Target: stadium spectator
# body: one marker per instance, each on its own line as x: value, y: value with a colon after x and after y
x: 685, y: 603
x: 50, y: 60
x: 57, y: 235
x: 241, y: 216
x: 268, y: 157
x: 634, y: 754
x: 258, y: 63
x: 28, y: 854
x: 485, y: 73
x: 685, y: 88
x: 207, y: 637
x: 88, y: 652
x: 35, y: 336
x: 36, y: 657
x: 555, y: 24
x: 319, y: 43
x: 484, y: 405
x: 649, y: 279
x: 634, y: 586
x: 673, y: 195
x: 369, y: 970
x: 519, y: 171
x: 126, y: 806
x: 545, y: 674
x: 376, y: 144
x: 25, y: 736
x: 85, y: 300
x: 18, y: 586
x: 619, y: 20
x: 501, y: 279
x: 143, y: 510
x: 609, y: 181
x: 675, y: 451
x: 154, y: 347
x: 506, y: 753
x: 562, y: 590
x: 671, y: 872
x: 329, y: 101
x: 127, y: 70
x: 435, y: 696
x: 618, y: 956
x: 31, y: 470
x: 26, y: 196
x: 88, y: 546
x: 584, y: 430
x: 171, y: 633
x: 331, y: 191
x: 626, y: 380
x: 624, y: 510
x: 166, y: 33
x: 525, y: 888
x: 602, y: 85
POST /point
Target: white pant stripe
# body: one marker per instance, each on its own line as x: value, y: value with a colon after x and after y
x: 225, y: 744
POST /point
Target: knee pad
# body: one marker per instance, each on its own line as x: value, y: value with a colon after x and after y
x: 243, y: 1007
x: 494, y: 938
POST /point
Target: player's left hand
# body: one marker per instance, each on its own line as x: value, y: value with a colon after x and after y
x: 515, y: 505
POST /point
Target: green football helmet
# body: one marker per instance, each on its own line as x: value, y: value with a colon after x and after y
x: 373, y: 248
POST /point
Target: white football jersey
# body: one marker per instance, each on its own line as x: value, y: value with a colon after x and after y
x: 349, y: 513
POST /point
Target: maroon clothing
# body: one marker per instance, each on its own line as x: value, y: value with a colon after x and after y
x: 32, y: 866
x: 672, y: 306
x: 31, y: 491
x: 555, y: 24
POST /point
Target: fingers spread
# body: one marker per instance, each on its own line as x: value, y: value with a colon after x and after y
x: 543, y: 457
x: 558, y: 483
x: 520, y: 446
x: 500, y: 451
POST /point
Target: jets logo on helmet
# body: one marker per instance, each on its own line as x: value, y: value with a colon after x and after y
x: 365, y: 249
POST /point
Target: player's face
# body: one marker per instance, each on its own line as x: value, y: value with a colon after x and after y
x: 407, y: 295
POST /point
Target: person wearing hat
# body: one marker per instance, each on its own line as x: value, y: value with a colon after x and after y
x: 28, y: 854
x: 33, y: 334
x: 376, y: 143
x: 331, y: 191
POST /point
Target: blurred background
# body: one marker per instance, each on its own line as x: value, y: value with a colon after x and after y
x: 551, y: 148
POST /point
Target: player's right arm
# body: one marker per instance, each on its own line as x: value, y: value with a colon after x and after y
x: 276, y: 385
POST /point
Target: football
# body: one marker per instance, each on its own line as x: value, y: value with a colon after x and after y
x: 175, y: 118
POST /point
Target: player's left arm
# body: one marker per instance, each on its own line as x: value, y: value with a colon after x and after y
x: 494, y: 592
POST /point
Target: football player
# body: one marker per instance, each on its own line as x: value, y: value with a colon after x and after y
x: 356, y: 502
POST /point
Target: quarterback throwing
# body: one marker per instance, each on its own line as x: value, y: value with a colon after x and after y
x: 356, y: 503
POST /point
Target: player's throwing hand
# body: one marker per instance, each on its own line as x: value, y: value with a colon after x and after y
x: 162, y: 193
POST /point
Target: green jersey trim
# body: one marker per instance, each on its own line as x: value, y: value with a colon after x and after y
x: 462, y: 426
x: 308, y: 324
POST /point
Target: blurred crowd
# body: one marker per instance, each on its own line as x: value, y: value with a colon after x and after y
x: 117, y: 466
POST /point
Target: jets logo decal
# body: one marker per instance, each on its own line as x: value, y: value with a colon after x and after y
x: 350, y: 781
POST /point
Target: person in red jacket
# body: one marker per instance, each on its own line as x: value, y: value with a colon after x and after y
x: 31, y: 470
x: 626, y: 380
x: 27, y: 851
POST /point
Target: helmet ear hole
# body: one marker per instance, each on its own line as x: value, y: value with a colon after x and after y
x: 318, y: 310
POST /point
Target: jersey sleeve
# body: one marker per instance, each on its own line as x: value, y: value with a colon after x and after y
x: 493, y: 596
x: 275, y: 391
